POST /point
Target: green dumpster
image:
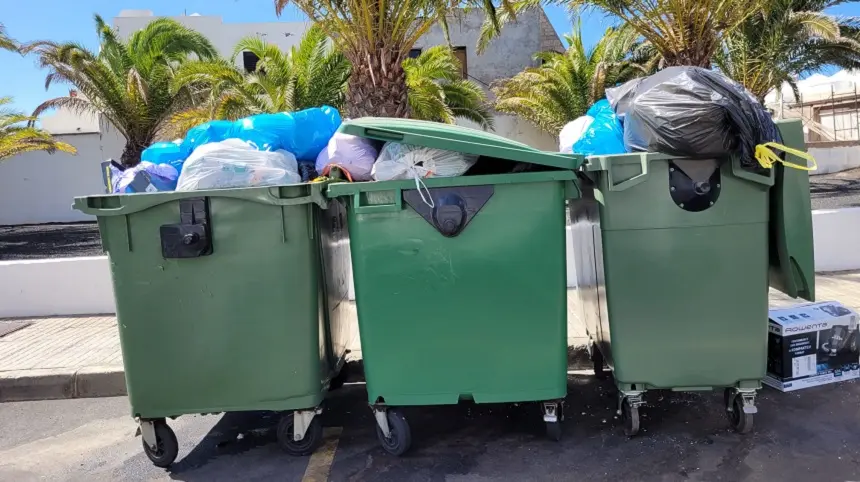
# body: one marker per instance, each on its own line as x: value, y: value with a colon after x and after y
x: 460, y: 287
x: 221, y: 305
x: 673, y: 260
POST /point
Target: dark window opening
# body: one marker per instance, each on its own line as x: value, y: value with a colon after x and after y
x: 249, y: 61
x: 460, y: 53
x: 414, y: 53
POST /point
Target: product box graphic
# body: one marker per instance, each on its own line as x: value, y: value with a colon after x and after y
x: 812, y: 344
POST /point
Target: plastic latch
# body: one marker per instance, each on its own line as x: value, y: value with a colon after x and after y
x: 191, y: 238
x: 452, y: 207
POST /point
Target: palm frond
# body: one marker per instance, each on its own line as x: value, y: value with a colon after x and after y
x: 18, y: 135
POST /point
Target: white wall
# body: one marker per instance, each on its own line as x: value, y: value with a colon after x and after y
x: 835, y: 159
x: 64, y: 286
x: 83, y: 285
x: 37, y: 187
x: 837, y: 232
x: 517, y: 129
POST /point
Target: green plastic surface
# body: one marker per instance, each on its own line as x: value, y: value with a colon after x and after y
x: 478, y: 316
x: 682, y: 297
x: 241, y: 329
x: 792, y: 258
x: 455, y: 138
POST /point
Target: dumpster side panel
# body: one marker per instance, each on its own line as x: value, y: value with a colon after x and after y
x: 687, y: 307
x: 234, y: 330
x: 342, y: 320
x: 481, y: 315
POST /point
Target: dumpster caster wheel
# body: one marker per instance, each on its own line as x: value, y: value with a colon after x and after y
x: 399, y: 437
x: 740, y: 418
x: 306, y: 446
x: 597, y: 361
x: 553, y: 431
x: 630, y: 418
x: 167, y: 447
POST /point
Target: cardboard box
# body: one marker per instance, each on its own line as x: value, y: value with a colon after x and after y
x: 812, y: 344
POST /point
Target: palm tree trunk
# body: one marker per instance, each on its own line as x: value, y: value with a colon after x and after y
x: 377, y: 87
x: 131, y: 153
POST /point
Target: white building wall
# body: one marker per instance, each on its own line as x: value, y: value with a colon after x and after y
x: 38, y: 187
x: 223, y: 35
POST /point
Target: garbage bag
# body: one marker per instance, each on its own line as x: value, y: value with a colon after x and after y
x: 212, y: 131
x: 692, y: 112
x: 165, y: 153
x: 354, y: 155
x: 304, y: 133
x: 406, y: 161
x: 235, y: 163
x: 146, y: 177
x: 604, y: 136
x: 571, y: 132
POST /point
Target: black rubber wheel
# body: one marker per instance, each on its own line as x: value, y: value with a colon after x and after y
x: 553, y: 431
x: 306, y: 446
x: 400, y: 436
x: 630, y: 418
x: 167, y: 445
x: 597, y: 362
x: 741, y: 421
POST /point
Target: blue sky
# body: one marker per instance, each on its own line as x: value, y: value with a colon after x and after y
x: 57, y: 20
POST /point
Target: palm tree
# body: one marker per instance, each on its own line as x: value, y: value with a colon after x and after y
x: 17, y: 137
x: 794, y: 37
x: 437, y: 91
x: 7, y: 43
x: 309, y: 75
x: 128, y: 82
x: 683, y: 32
x: 566, y: 85
x: 314, y: 74
x: 376, y: 36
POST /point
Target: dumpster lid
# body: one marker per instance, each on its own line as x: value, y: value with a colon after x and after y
x: 455, y: 138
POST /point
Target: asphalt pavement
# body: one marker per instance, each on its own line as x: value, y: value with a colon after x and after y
x: 802, y: 436
x: 837, y: 190
x: 39, y: 241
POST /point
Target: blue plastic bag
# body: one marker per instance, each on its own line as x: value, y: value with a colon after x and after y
x: 304, y: 133
x: 147, y: 177
x: 212, y: 131
x: 604, y: 136
x: 165, y: 153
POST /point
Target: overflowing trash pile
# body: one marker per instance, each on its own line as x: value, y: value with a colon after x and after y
x: 261, y: 150
x: 682, y: 111
x: 277, y: 149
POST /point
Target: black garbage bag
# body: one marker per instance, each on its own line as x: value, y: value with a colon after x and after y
x: 692, y: 112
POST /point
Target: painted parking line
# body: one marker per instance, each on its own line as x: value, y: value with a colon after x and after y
x: 319, y: 466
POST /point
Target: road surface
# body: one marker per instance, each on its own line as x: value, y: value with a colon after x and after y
x: 808, y: 435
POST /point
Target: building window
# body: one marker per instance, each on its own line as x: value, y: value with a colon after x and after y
x: 460, y: 53
x: 249, y: 61
x: 414, y: 53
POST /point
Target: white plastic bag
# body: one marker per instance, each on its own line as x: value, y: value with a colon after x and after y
x: 235, y: 163
x: 353, y: 154
x: 571, y: 132
x: 405, y: 161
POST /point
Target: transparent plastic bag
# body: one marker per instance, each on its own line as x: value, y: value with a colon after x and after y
x: 405, y: 161
x: 571, y: 132
x: 353, y: 154
x: 234, y: 163
x: 146, y: 177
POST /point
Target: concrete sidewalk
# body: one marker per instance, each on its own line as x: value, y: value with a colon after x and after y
x: 78, y: 357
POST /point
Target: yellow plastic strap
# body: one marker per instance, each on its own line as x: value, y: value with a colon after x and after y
x: 766, y: 157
